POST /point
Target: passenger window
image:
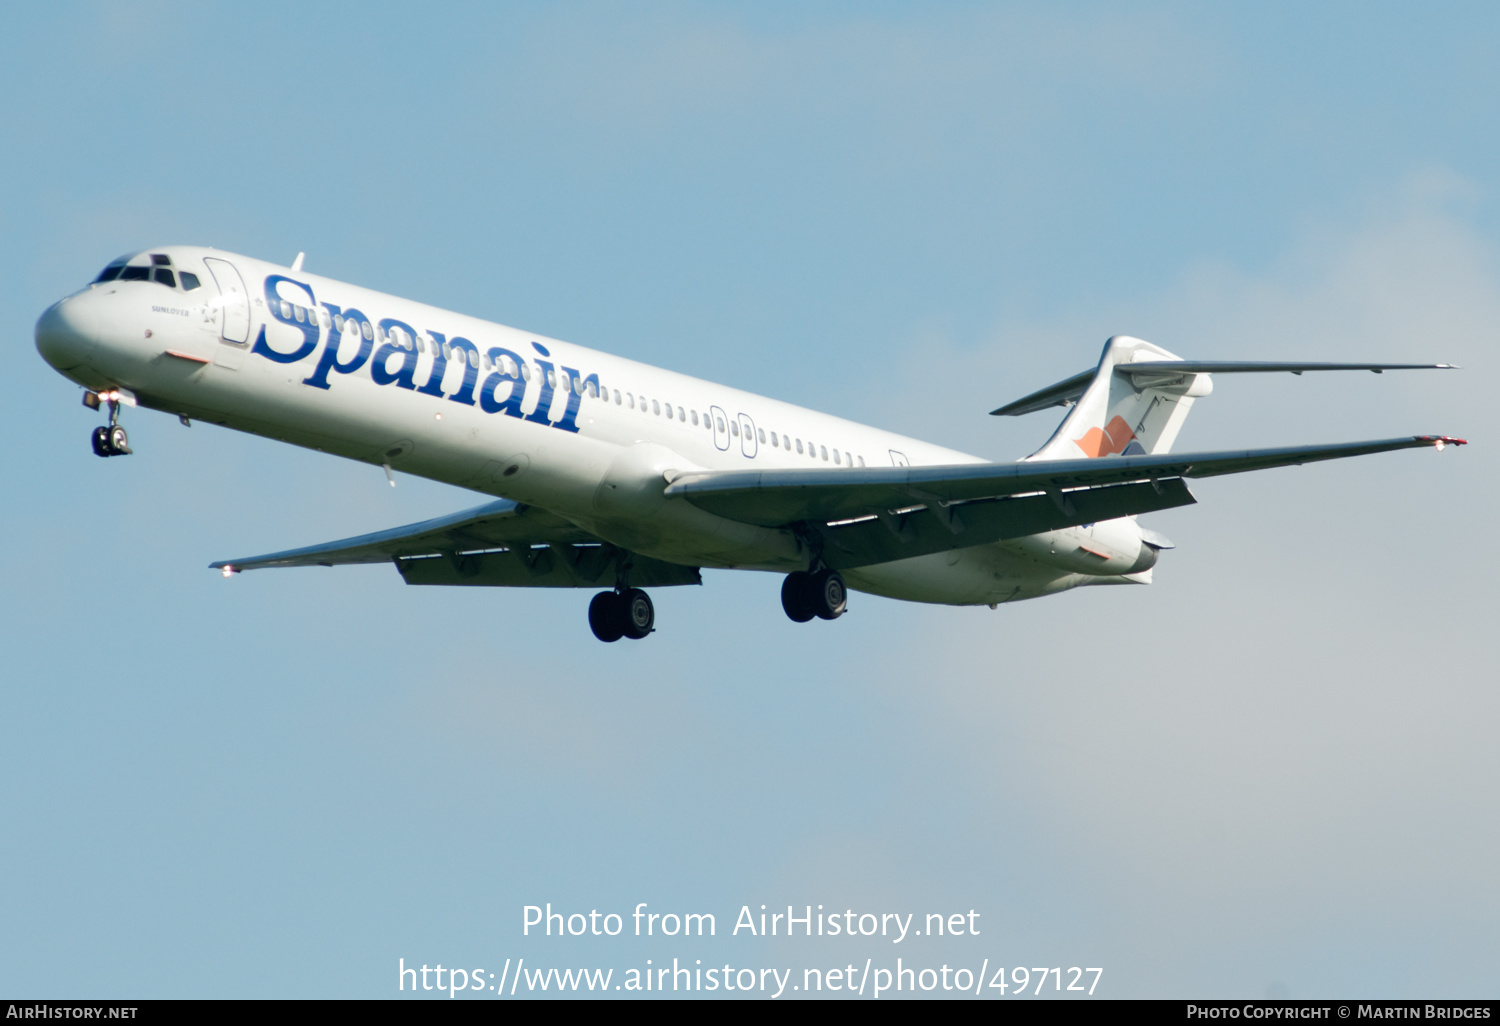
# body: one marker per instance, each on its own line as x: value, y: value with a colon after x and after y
x: 656, y: 407
x: 695, y: 418
x: 164, y: 276
x: 734, y: 428
x: 824, y: 450
x: 762, y: 433
x: 526, y: 372
x: 836, y: 458
x: 617, y: 397
x: 135, y: 274
x: 338, y: 323
x: 189, y: 280
x: 799, y: 447
x: 681, y: 416
x: 365, y: 330
x: 629, y: 401
x: 297, y: 312
x: 861, y: 461
x: 721, y: 425
x: 774, y: 443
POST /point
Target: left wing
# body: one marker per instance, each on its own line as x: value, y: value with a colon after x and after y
x: 869, y: 515
x: 499, y: 544
x: 775, y: 498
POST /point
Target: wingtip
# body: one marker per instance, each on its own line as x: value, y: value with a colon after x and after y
x: 1441, y: 442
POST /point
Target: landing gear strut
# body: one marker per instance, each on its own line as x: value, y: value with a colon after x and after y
x: 111, y: 439
x: 821, y: 593
x: 626, y: 613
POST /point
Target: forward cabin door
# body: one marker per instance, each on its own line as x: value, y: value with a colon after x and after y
x: 721, y: 427
x: 234, y: 301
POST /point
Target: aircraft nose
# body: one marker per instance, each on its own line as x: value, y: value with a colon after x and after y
x: 66, y: 333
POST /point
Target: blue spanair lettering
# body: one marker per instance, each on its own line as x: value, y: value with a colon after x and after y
x: 308, y: 326
x: 573, y: 382
x: 543, y: 412
x: 434, y: 386
x: 465, y: 393
x: 511, y: 405
x: 405, y: 377
x: 329, y: 361
x: 577, y: 386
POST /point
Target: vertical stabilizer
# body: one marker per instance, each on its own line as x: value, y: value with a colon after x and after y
x: 1127, y: 414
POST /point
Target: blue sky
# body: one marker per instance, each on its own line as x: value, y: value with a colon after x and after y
x: 1271, y: 773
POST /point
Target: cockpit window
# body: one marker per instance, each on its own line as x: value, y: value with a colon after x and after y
x: 158, y: 270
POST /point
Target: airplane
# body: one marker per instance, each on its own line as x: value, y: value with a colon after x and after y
x: 609, y: 473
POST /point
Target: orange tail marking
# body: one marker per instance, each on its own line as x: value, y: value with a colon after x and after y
x: 1115, y: 436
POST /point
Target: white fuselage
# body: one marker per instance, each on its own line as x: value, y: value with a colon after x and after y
x: 590, y: 436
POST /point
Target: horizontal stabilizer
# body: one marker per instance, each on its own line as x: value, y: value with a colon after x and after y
x: 1069, y: 391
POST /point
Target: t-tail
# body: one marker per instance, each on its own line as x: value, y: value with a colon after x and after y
x: 1135, y: 401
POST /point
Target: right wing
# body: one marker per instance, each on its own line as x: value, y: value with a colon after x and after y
x: 500, y: 544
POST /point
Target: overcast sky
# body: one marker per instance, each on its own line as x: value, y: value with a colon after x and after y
x: 1271, y: 773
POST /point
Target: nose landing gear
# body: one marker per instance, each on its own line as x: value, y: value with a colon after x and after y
x: 110, y: 440
x: 622, y: 614
x: 821, y: 593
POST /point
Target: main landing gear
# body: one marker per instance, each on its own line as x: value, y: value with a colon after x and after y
x: 111, y: 439
x: 821, y: 593
x: 626, y: 613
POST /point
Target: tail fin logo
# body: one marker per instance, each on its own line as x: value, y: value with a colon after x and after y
x: 1114, y: 437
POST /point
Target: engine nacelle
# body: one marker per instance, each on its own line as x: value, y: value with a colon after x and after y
x: 1105, y: 549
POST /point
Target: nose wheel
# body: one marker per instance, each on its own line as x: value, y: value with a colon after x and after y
x: 622, y: 614
x: 821, y: 594
x: 111, y: 439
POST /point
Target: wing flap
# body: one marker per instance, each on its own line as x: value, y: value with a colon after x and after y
x: 546, y: 566
x: 923, y: 531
